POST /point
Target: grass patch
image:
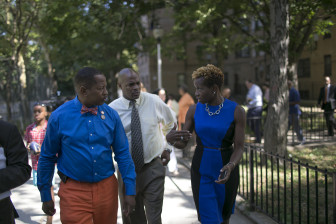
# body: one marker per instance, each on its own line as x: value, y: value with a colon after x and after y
x: 324, y: 157
x: 291, y: 193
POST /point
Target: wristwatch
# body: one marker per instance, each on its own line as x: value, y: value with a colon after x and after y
x: 169, y: 150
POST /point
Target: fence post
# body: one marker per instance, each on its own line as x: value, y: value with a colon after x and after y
x: 292, y: 127
x: 251, y: 179
x: 334, y: 196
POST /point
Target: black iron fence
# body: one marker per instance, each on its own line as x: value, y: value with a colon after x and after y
x: 286, y: 190
x: 312, y: 124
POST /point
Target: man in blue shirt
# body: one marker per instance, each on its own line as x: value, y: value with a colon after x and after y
x: 81, y: 136
x: 295, y: 112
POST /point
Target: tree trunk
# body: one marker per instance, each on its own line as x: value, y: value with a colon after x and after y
x: 114, y: 86
x: 21, y: 67
x: 277, y: 117
x: 51, y: 75
x: 292, y: 74
x: 8, y: 98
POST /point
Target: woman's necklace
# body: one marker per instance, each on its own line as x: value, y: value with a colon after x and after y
x: 216, y: 112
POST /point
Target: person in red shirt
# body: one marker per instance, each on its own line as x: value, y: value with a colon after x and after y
x: 35, y: 134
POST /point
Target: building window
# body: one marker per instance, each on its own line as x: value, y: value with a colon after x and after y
x: 226, y: 78
x: 256, y: 73
x: 303, y: 69
x: 181, y: 79
x: 237, y: 87
x: 327, y: 65
x: 243, y: 53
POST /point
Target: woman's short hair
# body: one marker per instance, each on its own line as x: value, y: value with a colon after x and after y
x: 211, y: 75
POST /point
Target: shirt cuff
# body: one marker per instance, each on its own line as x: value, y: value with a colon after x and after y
x: 129, y: 189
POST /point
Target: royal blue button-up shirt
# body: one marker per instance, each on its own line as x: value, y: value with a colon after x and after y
x: 294, y: 96
x: 82, y: 146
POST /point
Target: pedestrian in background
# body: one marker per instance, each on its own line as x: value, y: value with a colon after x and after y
x: 172, y: 165
x: 143, y: 88
x: 184, y: 103
x: 295, y: 112
x: 34, y: 137
x: 226, y: 92
x: 327, y: 102
x: 144, y: 117
x: 85, y: 132
x: 219, y: 124
x: 173, y: 104
x: 254, y: 104
x: 14, y: 169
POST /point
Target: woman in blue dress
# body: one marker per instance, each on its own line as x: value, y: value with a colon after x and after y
x: 219, y: 125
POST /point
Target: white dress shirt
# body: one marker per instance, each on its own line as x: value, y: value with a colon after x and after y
x: 255, y: 94
x: 328, y: 89
x: 152, y: 112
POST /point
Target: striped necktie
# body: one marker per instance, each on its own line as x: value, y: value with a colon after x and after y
x: 136, y: 135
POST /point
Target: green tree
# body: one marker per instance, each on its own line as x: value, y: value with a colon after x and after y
x: 232, y: 20
x: 102, y: 34
x: 16, y: 21
x: 52, y: 40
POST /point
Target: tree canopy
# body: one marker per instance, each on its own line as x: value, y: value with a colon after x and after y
x: 44, y: 43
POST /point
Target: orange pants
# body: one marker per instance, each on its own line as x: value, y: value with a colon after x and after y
x: 89, y: 202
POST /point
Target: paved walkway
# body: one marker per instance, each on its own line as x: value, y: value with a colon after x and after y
x: 178, y: 206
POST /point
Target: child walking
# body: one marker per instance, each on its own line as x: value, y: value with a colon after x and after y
x: 35, y: 133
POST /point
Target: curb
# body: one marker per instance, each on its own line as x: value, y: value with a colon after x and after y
x: 241, y: 204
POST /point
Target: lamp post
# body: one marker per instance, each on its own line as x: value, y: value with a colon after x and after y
x: 157, y: 33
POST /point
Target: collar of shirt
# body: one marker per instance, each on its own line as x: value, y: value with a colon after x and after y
x: 79, y: 105
x: 44, y: 126
x: 137, y: 101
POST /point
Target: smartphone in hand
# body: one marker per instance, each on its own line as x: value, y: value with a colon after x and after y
x: 222, y: 175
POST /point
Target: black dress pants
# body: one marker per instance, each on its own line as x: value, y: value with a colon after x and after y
x: 329, y: 117
x: 7, y: 211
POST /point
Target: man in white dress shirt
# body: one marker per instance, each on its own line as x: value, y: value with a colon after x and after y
x: 254, y: 104
x: 150, y: 177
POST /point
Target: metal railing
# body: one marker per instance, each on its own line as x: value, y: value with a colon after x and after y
x: 286, y: 190
x: 313, y: 126
x: 312, y: 123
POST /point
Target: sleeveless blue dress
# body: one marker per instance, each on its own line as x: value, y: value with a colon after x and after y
x: 215, y: 135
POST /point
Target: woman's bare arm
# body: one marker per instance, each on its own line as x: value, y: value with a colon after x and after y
x: 179, y: 139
